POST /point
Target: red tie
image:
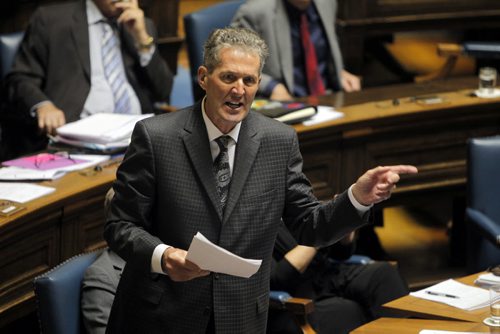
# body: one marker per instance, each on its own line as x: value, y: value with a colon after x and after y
x: 314, y: 81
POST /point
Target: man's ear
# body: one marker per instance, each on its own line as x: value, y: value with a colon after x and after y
x: 202, y: 77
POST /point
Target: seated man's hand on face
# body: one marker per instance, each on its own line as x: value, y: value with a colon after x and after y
x: 179, y: 269
x: 377, y: 184
x: 350, y: 82
x: 132, y: 18
x: 50, y: 118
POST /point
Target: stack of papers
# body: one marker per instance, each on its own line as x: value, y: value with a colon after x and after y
x: 456, y: 294
x: 23, y: 192
x: 104, y: 132
x: 487, y: 280
x: 209, y: 256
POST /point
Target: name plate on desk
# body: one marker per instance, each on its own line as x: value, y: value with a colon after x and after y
x: 8, y: 208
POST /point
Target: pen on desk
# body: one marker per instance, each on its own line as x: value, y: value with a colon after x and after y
x: 440, y: 294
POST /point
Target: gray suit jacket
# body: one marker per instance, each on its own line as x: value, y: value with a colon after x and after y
x: 165, y: 193
x: 53, y: 63
x: 269, y: 19
x: 98, y: 290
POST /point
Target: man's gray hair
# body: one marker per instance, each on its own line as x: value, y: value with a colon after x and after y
x: 242, y: 38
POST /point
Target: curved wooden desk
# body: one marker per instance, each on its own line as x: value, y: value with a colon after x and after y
x: 50, y: 230
x: 376, y: 130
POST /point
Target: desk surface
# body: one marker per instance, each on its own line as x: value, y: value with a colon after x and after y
x: 421, y: 308
x: 414, y: 326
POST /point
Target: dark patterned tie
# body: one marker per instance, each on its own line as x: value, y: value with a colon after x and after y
x: 222, y: 170
x: 314, y: 81
x: 113, y: 69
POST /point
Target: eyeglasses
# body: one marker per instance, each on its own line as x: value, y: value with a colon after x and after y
x: 52, y: 160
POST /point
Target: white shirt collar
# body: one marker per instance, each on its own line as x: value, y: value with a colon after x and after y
x: 213, y: 131
x: 94, y: 15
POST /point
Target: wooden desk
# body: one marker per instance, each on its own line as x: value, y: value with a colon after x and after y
x: 421, y: 308
x: 433, y: 138
x: 414, y: 326
x: 51, y: 229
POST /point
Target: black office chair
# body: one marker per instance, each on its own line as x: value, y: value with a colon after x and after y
x: 198, y: 26
x: 57, y: 295
x: 483, y: 203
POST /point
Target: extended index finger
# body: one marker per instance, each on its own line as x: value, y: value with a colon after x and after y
x: 403, y: 169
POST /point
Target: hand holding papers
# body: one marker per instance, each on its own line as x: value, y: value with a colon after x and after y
x: 214, y: 258
x: 455, y: 294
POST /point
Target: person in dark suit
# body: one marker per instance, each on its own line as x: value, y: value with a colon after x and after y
x: 278, y: 22
x: 59, y: 74
x: 232, y: 174
x: 345, y: 296
x: 98, y: 291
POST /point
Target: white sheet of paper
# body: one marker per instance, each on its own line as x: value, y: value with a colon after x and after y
x: 325, y: 113
x: 469, y: 297
x: 209, y: 256
x: 22, y: 192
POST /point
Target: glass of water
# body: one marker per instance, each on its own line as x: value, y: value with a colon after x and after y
x: 494, y: 318
x: 487, y: 81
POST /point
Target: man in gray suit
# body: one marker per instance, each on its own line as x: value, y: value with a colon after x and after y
x: 166, y: 191
x: 278, y: 23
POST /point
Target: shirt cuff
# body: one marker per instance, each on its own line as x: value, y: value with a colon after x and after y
x: 156, y: 259
x: 145, y: 57
x: 362, y: 209
x: 36, y: 106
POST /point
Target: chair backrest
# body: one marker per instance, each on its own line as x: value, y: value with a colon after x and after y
x: 9, y: 43
x: 182, y: 95
x: 57, y: 294
x: 198, y: 26
x: 483, y: 209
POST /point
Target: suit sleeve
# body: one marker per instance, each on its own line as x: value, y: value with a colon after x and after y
x: 128, y: 230
x: 24, y: 82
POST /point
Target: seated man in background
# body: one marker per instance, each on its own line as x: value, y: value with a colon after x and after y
x: 81, y: 58
x: 304, y: 55
x: 345, y: 296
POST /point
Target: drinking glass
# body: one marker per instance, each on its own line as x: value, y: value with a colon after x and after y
x: 487, y: 81
x: 494, y: 318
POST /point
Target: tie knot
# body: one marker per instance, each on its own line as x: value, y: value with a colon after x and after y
x: 222, y: 141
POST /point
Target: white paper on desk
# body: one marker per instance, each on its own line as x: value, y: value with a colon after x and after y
x: 209, y: 256
x: 22, y: 192
x: 469, y: 297
x: 101, y: 128
x: 486, y: 280
x: 432, y: 331
x: 13, y: 173
x: 324, y: 114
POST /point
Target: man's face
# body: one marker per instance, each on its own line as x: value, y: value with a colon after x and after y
x: 107, y: 8
x: 300, y: 4
x: 231, y: 87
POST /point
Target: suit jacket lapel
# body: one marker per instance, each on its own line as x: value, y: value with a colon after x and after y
x: 198, y: 149
x: 246, y: 150
x: 80, y: 33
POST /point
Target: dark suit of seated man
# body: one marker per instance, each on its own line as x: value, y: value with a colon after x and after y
x: 345, y: 296
x: 81, y: 58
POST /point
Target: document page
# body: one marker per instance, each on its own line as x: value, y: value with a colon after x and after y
x: 22, y: 192
x: 455, y: 294
x: 209, y: 256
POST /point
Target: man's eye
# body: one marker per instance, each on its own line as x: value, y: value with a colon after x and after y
x: 249, y: 81
x: 228, y: 78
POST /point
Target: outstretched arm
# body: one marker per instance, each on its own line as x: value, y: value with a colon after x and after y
x: 377, y: 184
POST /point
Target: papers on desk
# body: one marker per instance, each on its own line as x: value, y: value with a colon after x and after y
x: 23, y: 192
x: 487, y: 280
x: 456, y: 294
x: 324, y: 114
x: 209, y: 256
x: 15, y: 172
x: 105, y: 132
